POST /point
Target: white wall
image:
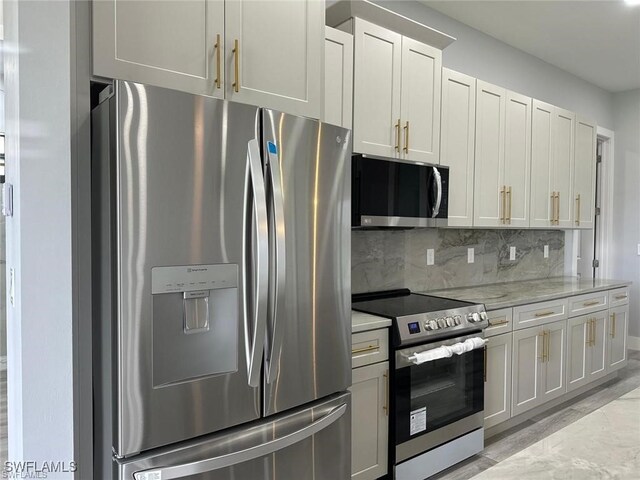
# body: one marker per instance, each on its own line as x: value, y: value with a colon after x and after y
x: 626, y: 205
x: 41, y: 127
x: 486, y: 58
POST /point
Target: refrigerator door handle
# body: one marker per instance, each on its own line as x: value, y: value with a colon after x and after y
x: 255, y: 333
x: 277, y: 194
x: 245, y: 455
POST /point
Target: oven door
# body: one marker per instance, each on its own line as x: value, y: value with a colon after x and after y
x: 437, y: 400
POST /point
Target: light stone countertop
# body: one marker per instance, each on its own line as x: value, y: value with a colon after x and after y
x: 505, y: 295
x: 361, y: 322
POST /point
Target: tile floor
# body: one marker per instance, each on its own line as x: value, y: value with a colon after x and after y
x: 596, y: 435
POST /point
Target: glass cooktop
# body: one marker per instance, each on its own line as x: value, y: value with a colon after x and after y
x: 400, y: 303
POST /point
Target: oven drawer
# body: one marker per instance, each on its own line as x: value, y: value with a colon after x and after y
x: 619, y: 296
x: 588, y: 303
x: 526, y: 316
x: 369, y: 347
x: 500, y: 321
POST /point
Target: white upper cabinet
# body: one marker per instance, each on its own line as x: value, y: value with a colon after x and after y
x: 263, y: 53
x: 338, y: 77
x: 397, y: 92
x: 584, y: 173
x: 171, y: 44
x: 542, y: 194
x: 376, y: 95
x: 420, y: 101
x: 517, y: 159
x: 279, y: 55
x: 457, y: 143
x: 489, y: 185
x: 563, y: 163
x: 552, y: 165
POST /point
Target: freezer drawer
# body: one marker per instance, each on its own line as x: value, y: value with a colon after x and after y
x: 311, y: 442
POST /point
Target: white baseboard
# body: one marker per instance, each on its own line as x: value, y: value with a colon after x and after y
x: 633, y: 342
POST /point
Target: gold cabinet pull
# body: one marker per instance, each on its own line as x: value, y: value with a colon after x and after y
x: 593, y: 331
x: 485, y: 363
x: 406, y: 138
x: 497, y: 324
x: 509, y: 203
x: 591, y: 303
x: 398, y: 136
x: 385, y: 407
x: 544, y: 314
x: 236, y: 61
x: 621, y: 297
x: 218, y: 47
x: 613, y: 325
x: 544, y: 346
x: 557, y: 208
x: 548, y: 342
x: 588, y: 335
x: 553, y: 208
x: 369, y: 348
x: 503, y: 214
x: 578, y: 210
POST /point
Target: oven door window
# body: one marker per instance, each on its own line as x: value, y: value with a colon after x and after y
x: 437, y: 393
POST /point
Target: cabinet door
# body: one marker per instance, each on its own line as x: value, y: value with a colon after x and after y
x: 527, y: 352
x: 457, y: 138
x: 517, y: 158
x: 489, y: 196
x: 370, y: 424
x: 376, y: 91
x: 541, y: 158
x: 578, y: 351
x: 563, y: 163
x: 172, y: 44
x: 585, y: 173
x: 617, y: 337
x: 420, y: 101
x: 338, y: 77
x: 497, y: 386
x: 278, y: 63
x: 598, y: 352
x: 552, y: 380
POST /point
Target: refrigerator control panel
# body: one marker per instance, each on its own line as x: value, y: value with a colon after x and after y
x: 188, y: 278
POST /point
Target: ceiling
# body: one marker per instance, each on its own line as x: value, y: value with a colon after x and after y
x: 598, y: 41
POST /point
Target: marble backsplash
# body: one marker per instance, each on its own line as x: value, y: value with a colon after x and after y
x: 385, y: 259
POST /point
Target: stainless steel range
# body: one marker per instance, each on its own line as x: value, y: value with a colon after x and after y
x: 437, y: 385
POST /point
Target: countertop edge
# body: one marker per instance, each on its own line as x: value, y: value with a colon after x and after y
x: 364, y: 322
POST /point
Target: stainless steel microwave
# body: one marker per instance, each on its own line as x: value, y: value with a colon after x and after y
x: 391, y: 193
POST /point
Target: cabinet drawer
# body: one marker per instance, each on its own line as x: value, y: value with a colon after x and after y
x: 534, y: 314
x: 500, y: 321
x: 619, y: 296
x: 590, y: 302
x: 369, y: 347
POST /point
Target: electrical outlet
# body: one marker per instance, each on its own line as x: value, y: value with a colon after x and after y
x: 546, y: 251
x: 470, y: 255
x: 430, y: 255
x: 639, y: 249
x: 512, y: 253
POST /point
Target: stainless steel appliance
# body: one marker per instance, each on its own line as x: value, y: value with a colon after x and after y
x: 221, y: 247
x: 437, y: 384
x: 393, y: 193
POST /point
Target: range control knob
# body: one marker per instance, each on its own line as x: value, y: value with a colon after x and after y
x: 458, y: 319
x: 433, y: 324
x: 484, y: 316
x: 470, y: 317
x: 442, y: 323
x: 476, y: 317
x: 427, y: 325
x: 451, y: 322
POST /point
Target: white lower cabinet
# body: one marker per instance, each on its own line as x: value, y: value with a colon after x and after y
x: 617, y: 337
x: 539, y: 356
x: 369, y: 405
x: 497, y: 378
x: 586, y: 352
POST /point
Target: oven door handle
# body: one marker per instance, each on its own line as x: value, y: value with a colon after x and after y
x: 445, y: 351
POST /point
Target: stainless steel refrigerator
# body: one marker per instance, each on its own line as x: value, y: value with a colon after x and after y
x: 221, y: 267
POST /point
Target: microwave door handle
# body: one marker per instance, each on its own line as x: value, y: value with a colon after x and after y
x: 277, y: 194
x: 438, y: 181
x: 255, y: 216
